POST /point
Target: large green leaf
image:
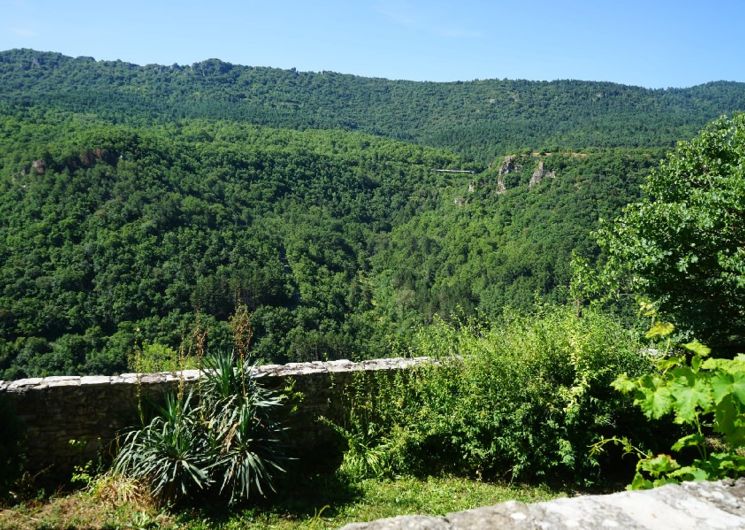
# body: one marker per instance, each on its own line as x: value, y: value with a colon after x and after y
x: 660, y: 329
x: 656, y: 403
x: 658, y: 465
x: 689, y: 398
x: 624, y: 384
x: 730, y: 422
x: 698, y: 348
x: 688, y: 473
x: 690, y: 440
x: 724, y: 384
x: 731, y: 366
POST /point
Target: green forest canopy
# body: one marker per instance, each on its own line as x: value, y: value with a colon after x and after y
x: 482, y: 119
x: 134, y: 198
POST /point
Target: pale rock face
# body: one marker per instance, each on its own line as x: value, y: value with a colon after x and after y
x: 538, y: 174
x: 507, y: 167
x: 689, y: 506
x: 38, y: 167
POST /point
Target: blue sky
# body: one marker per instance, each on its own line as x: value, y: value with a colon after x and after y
x: 653, y: 43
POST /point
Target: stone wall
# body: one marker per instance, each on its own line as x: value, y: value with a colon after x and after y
x: 92, y: 410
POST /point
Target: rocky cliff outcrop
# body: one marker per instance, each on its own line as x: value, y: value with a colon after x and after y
x: 39, y: 167
x: 539, y: 174
x: 84, y: 159
x: 509, y: 165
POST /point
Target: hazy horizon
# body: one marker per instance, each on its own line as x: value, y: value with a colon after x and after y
x: 557, y: 80
x: 663, y: 44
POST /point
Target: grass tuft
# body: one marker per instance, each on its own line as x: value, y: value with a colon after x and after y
x: 323, y: 501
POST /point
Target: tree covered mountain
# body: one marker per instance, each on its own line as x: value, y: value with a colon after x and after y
x: 481, y: 119
x: 117, y: 234
x: 138, y: 201
x: 115, y: 237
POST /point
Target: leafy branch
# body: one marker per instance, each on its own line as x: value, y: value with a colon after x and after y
x: 705, y: 394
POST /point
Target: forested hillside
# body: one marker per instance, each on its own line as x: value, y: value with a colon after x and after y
x: 139, y: 202
x: 481, y: 119
x: 116, y: 231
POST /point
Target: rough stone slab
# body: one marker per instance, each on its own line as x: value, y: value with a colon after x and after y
x: 95, y: 380
x: 269, y: 370
x: 61, y: 379
x: 23, y: 384
x: 58, y: 384
x: 190, y: 375
x: 153, y: 379
x: 689, y: 506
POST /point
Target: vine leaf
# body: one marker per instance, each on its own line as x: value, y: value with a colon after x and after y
x: 690, y: 440
x: 696, y: 347
x: 660, y: 329
x: 689, y: 395
x: 724, y: 384
x: 656, y: 403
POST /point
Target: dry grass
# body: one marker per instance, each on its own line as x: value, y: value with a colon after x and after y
x: 110, y: 502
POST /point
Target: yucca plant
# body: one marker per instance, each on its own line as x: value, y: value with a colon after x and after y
x: 170, y: 453
x: 248, y: 456
x: 228, y: 442
x: 240, y: 414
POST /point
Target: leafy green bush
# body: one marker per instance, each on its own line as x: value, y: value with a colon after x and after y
x: 681, y: 244
x: 222, y: 438
x: 155, y: 357
x: 368, y: 453
x: 707, y: 396
x: 525, y: 397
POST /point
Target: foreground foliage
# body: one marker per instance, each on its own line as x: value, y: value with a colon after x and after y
x: 682, y: 245
x: 706, y: 396
x: 524, y: 398
x: 224, y: 439
x: 316, y: 502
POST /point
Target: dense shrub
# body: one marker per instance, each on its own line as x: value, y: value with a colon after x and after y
x: 681, y: 245
x: 524, y: 397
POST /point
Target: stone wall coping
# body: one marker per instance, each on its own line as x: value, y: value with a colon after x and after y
x: 266, y: 370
